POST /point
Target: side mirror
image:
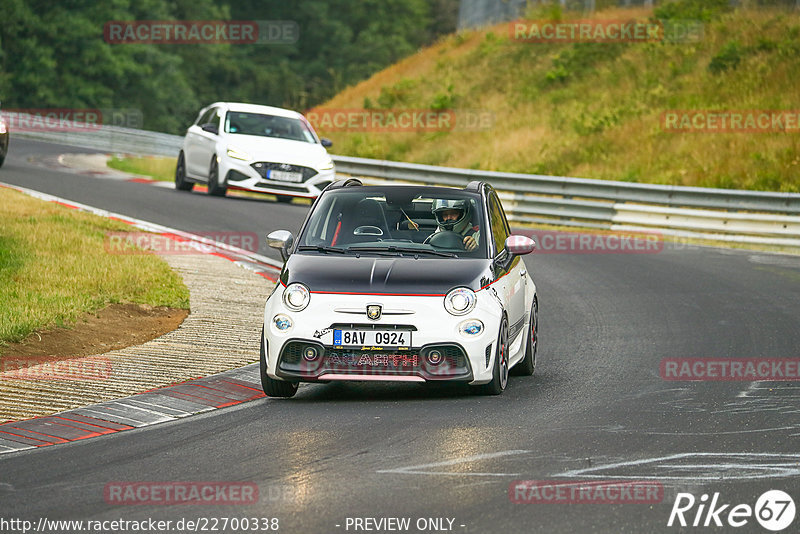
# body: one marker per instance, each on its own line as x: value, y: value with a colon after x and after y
x: 210, y: 128
x: 516, y: 245
x: 281, y: 240
x: 519, y: 245
x: 327, y: 143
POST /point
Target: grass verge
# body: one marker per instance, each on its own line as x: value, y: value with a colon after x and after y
x: 156, y: 167
x: 54, y: 267
x: 596, y: 110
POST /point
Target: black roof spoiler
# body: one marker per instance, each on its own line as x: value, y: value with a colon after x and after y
x: 475, y: 185
x: 347, y: 182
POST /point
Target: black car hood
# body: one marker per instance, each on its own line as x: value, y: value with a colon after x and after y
x: 386, y: 275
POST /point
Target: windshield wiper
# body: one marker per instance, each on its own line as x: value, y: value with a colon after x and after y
x: 406, y: 250
x: 321, y: 248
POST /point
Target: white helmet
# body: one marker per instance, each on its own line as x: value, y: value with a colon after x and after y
x: 441, y: 205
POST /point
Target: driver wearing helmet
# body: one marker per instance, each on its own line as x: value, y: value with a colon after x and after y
x: 454, y: 216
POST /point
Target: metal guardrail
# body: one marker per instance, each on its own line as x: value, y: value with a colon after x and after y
x: 664, y: 195
x: 113, y: 139
x: 719, y: 214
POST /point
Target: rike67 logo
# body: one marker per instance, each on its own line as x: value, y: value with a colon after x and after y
x: 774, y: 510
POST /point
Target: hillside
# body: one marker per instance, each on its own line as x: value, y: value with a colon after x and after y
x: 597, y: 110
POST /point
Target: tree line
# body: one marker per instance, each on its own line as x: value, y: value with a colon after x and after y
x: 53, y: 54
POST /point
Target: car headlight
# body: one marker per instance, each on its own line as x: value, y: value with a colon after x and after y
x: 460, y: 301
x: 328, y: 165
x: 296, y: 297
x: 236, y: 153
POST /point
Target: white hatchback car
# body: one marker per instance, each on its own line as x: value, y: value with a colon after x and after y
x: 254, y: 148
x: 404, y: 284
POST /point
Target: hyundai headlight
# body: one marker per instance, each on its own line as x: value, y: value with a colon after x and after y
x: 296, y: 297
x: 460, y: 301
x: 237, y: 153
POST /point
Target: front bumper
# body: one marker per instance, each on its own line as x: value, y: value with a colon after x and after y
x: 241, y: 175
x: 464, y: 358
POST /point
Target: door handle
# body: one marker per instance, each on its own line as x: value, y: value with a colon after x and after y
x: 523, y: 272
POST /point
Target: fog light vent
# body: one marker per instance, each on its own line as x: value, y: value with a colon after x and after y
x: 434, y: 357
x: 310, y: 353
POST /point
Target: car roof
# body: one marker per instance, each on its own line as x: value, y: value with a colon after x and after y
x: 256, y: 108
x: 475, y: 187
x: 421, y: 189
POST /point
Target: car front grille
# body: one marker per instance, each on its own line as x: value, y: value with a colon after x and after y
x: 261, y: 167
x: 455, y: 364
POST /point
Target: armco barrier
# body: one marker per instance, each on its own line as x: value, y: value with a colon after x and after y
x: 720, y: 214
x: 705, y: 213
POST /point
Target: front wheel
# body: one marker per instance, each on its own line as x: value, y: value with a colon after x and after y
x: 500, y: 370
x: 181, y: 183
x: 214, y: 189
x: 272, y: 387
x: 527, y: 365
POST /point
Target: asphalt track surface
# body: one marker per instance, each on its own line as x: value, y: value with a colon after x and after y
x: 597, y: 408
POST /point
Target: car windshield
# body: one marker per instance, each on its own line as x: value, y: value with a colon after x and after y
x: 396, y: 221
x: 239, y: 122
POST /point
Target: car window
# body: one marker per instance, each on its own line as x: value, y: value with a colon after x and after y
x: 200, y: 116
x: 497, y: 218
x: 239, y: 122
x: 216, y: 118
x: 393, y: 218
x: 207, y: 117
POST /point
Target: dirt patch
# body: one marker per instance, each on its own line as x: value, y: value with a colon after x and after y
x: 114, y: 327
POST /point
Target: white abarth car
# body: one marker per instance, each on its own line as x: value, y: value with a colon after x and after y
x: 254, y: 148
x: 400, y: 283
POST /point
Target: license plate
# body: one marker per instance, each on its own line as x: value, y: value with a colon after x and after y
x: 285, y: 176
x: 374, y: 339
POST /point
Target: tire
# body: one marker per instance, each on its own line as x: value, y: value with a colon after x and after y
x: 283, y: 198
x: 214, y: 189
x: 181, y: 183
x: 500, y: 369
x: 2, y: 160
x: 272, y: 387
x: 527, y: 365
